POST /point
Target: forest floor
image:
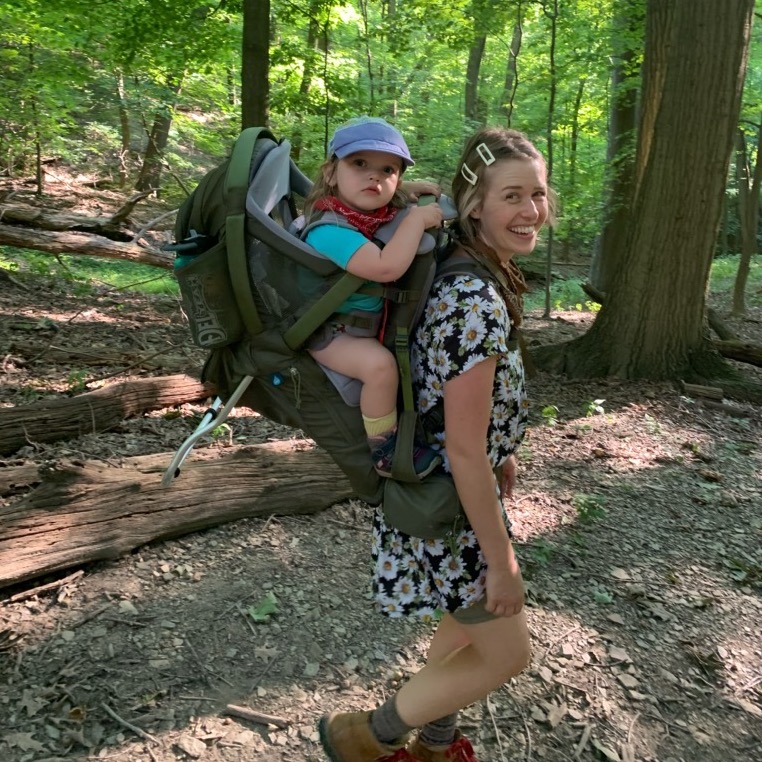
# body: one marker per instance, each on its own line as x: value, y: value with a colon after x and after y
x: 639, y: 529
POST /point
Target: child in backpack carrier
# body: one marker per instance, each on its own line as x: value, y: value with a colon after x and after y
x: 361, y: 182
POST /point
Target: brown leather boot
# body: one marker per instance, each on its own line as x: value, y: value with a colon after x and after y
x: 348, y: 738
x: 460, y: 750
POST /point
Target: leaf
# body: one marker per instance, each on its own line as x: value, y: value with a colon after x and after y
x: 610, y: 754
x: 261, y: 611
x: 23, y: 741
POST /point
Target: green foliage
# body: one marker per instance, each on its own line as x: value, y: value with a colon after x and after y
x: 589, y: 507
x: 550, y: 415
x: 565, y: 294
x: 86, y: 273
x: 264, y: 609
x: 594, y: 407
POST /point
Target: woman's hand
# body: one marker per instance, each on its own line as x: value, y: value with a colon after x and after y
x: 508, y: 481
x: 417, y: 188
x: 505, y: 590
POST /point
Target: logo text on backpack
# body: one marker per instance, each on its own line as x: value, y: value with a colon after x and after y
x: 209, y: 331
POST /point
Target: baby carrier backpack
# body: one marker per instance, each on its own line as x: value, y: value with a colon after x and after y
x: 254, y: 292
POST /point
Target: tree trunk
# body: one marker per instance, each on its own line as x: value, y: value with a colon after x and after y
x: 475, y: 54
x: 67, y: 417
x: 553, y: 16
x: 748, y: 202
x: 512, y: 71
x: 310, y: 66
x: 124, y: 129
x: 255, y: 66
x: 82, y: 513
x: 620, y: 152
x: 150, y: 173
x: 653, y: 324
x: 571, y: 192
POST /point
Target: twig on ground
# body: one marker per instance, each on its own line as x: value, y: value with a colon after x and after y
x: 253, y: 716
x: 583, y: 741
x: 496, y: 729
x: 134, y: 728
x: 25, y: 594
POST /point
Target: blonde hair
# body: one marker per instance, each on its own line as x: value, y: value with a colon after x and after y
x: 469, y: 186
x: 322, y: 188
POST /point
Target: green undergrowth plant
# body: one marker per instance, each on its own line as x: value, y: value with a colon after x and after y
x: 86, y: 274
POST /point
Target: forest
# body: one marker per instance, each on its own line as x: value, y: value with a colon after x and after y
x: 218, y: 618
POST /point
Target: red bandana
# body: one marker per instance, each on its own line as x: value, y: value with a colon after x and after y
x: 366, y: 222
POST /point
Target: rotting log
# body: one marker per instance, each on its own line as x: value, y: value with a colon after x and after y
x: 99, y: 355
x: 93, y: 511
x: 55, y: 242
x: 92, y: 412
x: 741, y: 351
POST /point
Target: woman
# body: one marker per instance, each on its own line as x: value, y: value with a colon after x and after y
x: 467, y: 365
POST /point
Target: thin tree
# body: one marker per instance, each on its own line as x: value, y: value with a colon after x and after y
x: 749, y: 183
x: 255, y: 66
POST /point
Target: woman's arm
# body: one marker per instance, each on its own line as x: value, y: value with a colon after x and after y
x: 468, y: 409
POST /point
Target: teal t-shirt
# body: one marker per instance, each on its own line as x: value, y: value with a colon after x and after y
x: 339, y: 245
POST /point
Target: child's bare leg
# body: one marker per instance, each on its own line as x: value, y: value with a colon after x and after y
x: 496, y: 650
x: 369, y: 361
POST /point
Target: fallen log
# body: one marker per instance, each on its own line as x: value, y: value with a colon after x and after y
x: 100, y: 355
x: 741, y: 351
x: 85, y: 512
x: 67, y: 417
x: 54, y: 242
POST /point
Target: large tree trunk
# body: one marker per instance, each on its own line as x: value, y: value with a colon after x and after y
x: 84, y: 513
x: 67, y: 417
x: 255, y: 67
x: 653, y: 325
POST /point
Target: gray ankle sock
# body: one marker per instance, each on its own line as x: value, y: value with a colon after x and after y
x: 439, y: 733
x: 386, y: 724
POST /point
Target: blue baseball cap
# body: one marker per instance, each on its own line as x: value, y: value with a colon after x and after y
x: 368, y: 133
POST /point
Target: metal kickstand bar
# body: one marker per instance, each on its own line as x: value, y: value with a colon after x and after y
x: 213, y: 417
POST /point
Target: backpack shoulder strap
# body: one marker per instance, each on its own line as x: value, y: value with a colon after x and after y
x: 234, y: 196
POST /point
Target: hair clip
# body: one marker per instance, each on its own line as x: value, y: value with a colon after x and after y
x: 485, y: 155
x: 468, y: 174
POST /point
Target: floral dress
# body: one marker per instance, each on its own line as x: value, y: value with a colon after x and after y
x: 464, y: 323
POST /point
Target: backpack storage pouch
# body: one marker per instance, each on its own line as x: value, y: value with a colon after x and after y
x: 209, y: 300
x: 429, y: 509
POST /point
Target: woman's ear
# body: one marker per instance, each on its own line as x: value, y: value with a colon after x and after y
x: 476, y: 214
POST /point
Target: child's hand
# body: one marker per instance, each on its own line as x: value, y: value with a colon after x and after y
x: 431, y: 214
x: 417, y: 188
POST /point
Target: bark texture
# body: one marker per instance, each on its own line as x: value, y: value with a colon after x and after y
x: 65, y: 418
x: 88, y: 512
x: 653, y: 324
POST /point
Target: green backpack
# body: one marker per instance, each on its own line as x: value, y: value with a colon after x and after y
x: 254, y: 292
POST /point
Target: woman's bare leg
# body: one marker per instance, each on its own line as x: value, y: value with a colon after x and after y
x: 369, y: 361
x: 496, y: 650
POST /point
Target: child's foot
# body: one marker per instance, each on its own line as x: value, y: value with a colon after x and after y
x: 425, y: 460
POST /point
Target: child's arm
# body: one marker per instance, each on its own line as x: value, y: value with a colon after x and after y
x: 417, y: 188
x: 389, y: 263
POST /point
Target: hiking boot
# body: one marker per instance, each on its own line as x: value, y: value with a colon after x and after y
x: 425, y: 460
x: 348, y: 738
x: 460, y: 750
